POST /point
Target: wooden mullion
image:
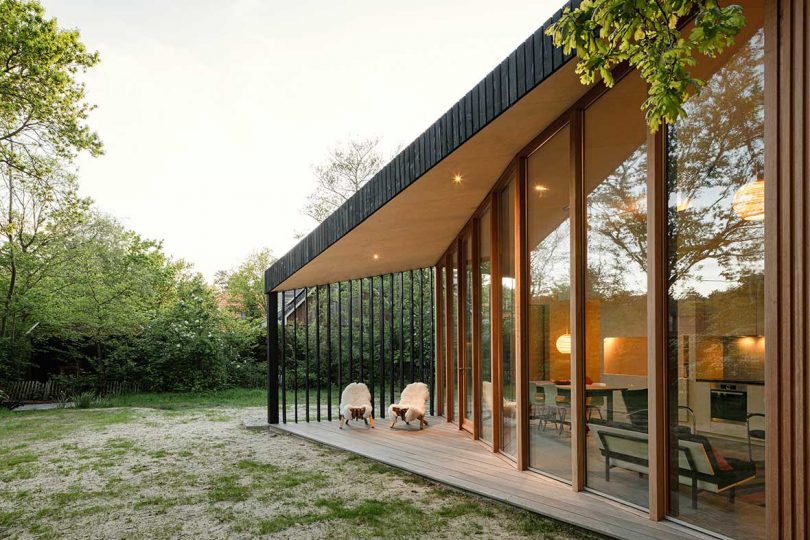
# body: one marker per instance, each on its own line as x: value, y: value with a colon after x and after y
x: 476, y: 328
x: 578, y: 267
x: 521, y: 323
x: 448, y: 329
x: 438, y: 330
x: 460, y: 316
x: 657, y: 323
x: 495, y: 325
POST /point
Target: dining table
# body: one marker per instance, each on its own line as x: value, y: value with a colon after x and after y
x: 591, y: 390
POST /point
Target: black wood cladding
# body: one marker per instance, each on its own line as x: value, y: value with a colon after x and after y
x: 527, y: 66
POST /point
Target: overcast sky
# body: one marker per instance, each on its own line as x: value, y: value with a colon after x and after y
x: 213, y: 112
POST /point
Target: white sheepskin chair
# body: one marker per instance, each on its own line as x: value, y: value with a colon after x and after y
x: 412, y: 405
x: 355, y: 404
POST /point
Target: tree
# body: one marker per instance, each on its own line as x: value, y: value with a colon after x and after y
x: 39, y: 224
x: 42, y: 104
x: 243, y: 288
x: 646, y: 34
x: 341, y: 175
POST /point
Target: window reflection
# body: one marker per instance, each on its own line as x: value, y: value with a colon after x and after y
x: 616, y: 294
x: 485, y: 271
x: 716, y: 286
x: 549, y: 239
x: 506, y: 258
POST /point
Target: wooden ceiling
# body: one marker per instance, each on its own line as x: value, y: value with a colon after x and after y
x: 414, y: 228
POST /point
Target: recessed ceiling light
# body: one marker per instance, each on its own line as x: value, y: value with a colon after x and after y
x: 375, y: 256
x: 457, y: 178
x: 540, y: 188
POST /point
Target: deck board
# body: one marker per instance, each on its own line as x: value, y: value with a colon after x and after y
x: 444, y: 454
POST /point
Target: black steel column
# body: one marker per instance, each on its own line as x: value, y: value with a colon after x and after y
x: 295, y: 353
x: 401, y: 331
x: 391, y: 333
x: 283, y: 358
x: 432, y: 346
x: 362, y: 341
x: 371, y: 339
x: 306, y: 352
x: 421, y: 325
x: 273, y: 354
x: 351, y: 332
x: 382, y: 347
x: 329, y: 352
x: 340, y: 339
x: 412, y: 336
x: 318, y: 350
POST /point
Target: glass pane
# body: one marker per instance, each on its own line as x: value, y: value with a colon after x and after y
x: 716, y: 285
x: 441, y: 321
x: 549, y: 239
x: 454, y: 337
x: 485, y: 269
x: 468, y: 329
x: 506, y: 259
x: 616, y: 293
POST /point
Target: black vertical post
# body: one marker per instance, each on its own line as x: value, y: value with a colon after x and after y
x: 401, y: 331
x: 340, y: 339
x: 329, y: 352
x: 362, y: 341
x: 371, y: 338
x: 306, y: 352
x: 273, y: 354
x: 318, y: 350
x: 351, y: 332
x: 413, y: 303
x: 283, y: 357
x: 422, y: 324
x: 295, y: 353
x: 432, y: 342
x: 391, y: 333
x: 382, y: 346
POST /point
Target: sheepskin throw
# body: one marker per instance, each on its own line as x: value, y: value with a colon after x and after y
x: 355, y: 404
x: 412, y: 405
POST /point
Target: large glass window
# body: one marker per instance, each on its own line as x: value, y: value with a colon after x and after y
x: 453, y: 337
x: 615, y: 187
x: 549, y: 243
x: 467, y: 370
x: 485, y: 273
x: 506, y: 260
x: 716, y: 284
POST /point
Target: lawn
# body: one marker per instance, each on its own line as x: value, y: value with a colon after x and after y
x: 163, y: 466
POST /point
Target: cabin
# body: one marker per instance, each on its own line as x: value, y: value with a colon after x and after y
x: 612, y: 323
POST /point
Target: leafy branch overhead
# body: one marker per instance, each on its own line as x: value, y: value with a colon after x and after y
x: 646, y: 34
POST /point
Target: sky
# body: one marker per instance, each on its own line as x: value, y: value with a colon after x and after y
x: 213, y: 113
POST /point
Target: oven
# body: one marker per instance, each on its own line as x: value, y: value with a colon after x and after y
x: 729, y: 402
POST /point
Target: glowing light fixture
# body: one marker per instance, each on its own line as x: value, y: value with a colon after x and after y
x: 457, y: 179
x: 749, y: 201
x: 564, y: 343
x: 375, y: 256
x: 540, y: 190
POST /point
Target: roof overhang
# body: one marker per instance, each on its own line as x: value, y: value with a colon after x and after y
x: 409, y: 212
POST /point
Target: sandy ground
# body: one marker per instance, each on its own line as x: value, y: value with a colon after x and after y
x: 144, y: 473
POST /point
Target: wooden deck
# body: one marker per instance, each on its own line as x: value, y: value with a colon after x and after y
x: 444, y: 454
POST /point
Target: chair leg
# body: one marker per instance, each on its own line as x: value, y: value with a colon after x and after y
x: 342, y: 421
x: 732, y: 494
x: 694, y: 492
x: 371, y: 420
x: 394, y: 421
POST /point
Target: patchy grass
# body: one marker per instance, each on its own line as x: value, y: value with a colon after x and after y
x: 236, y: 397
x: 187, y: 469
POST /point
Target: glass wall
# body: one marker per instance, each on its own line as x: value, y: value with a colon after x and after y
x: 485, y: 276
x: 615, y: 187
x: 441, y: 347
x: 467, y: 368
x: 506, y: 262
x: 716, y: 284
x: 453, y: 337
x: 549, y: 243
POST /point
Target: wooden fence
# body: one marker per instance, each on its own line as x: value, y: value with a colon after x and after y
x: 51, y: 389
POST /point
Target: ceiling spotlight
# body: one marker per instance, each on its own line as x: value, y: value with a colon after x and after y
x: 457, y: 179
x: 375, y: 256
x: 540, y: 187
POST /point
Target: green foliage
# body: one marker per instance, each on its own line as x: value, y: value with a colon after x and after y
x: 242, y: 290
x: 647, y: 35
